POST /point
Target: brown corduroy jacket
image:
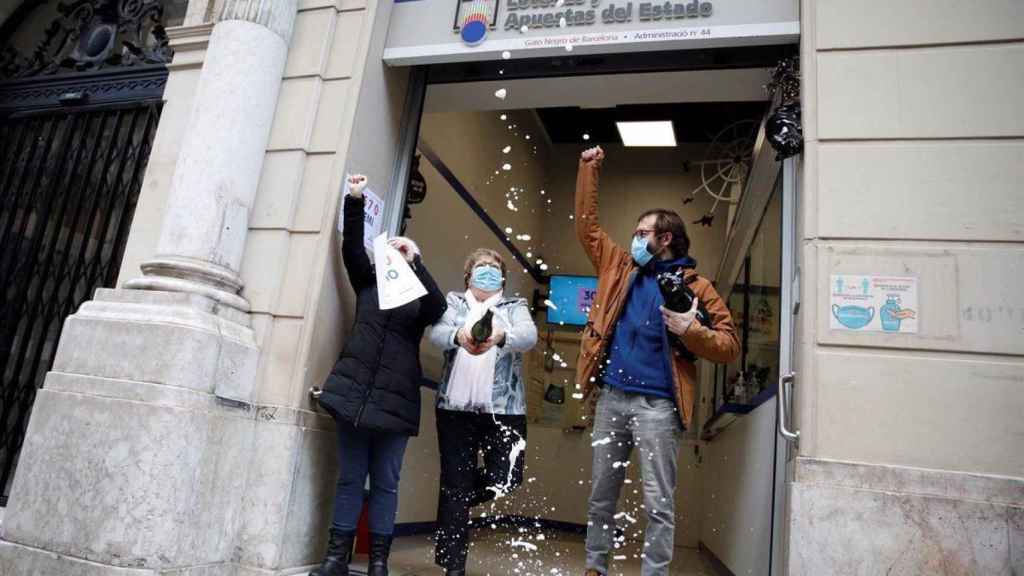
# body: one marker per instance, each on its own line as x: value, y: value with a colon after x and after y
x: 615, y: 270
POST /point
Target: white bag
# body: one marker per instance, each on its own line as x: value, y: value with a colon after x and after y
x: 397, y: 284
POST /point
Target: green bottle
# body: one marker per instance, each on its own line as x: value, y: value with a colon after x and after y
x: 483, y: 328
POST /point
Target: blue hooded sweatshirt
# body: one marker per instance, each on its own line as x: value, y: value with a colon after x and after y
x: 638, y: 358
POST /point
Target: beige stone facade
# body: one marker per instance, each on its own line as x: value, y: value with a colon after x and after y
x: 909, y: 459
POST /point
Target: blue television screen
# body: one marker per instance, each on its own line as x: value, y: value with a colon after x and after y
x: 572, y: 296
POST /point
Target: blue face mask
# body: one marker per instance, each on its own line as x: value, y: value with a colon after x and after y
x: 639, y: 250
x: 486, y: 278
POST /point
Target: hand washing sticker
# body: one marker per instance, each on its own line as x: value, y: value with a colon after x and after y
x: 873, y: 304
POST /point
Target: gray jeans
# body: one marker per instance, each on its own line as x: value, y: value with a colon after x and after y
x: 652, y: 424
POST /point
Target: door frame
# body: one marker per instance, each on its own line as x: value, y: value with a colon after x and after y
x: 786, y: 446
x: 765, y: 173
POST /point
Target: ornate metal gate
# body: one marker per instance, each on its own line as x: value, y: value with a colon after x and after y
x: 77, y: 119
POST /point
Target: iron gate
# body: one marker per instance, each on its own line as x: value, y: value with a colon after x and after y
x: 77, y: 120
x: 68, y: 187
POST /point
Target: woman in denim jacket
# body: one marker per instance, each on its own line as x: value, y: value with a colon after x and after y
x: 481, y: 402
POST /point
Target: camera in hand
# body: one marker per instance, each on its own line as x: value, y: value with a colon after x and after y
x: 675, y: 289
x: 483, y: 328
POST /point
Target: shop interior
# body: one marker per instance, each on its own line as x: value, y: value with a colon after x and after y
x: 498, y: 159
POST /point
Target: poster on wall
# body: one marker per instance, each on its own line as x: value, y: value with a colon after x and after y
x: 861, y: 303
x: 373, y: 215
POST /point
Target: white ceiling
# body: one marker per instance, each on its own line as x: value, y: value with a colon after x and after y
x: 602, y: 91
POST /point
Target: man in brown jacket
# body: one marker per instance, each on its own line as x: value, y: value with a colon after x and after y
x: 640, y: 354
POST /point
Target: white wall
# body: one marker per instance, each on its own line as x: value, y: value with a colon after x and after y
x: 736, y: 500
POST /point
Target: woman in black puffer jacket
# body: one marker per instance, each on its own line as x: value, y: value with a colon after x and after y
x: 373, y: 394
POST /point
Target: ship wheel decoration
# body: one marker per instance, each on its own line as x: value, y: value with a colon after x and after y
x: 724, y: 171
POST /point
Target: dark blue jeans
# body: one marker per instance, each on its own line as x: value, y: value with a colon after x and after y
x: 378, y: 454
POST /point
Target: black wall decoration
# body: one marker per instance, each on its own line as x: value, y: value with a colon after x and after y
x: 784, y: 128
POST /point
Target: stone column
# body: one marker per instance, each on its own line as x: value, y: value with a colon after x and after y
x: 218, y: 170
x: 140, y: 445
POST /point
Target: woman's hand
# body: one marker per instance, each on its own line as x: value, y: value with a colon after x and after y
x: 465, y: 340
x: 595, y: 154
x: 679, y: 322
x: 407, y: 247
x: 356, y: 183
x: 497, y: 336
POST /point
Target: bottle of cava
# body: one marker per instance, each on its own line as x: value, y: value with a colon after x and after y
x: 483, y: 328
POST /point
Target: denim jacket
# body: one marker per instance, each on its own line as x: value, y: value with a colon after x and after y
x: 513, y: 314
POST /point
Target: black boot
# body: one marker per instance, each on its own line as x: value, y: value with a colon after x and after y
x: 339, y: 553
x: 459, y: 572
x: 380, y: 549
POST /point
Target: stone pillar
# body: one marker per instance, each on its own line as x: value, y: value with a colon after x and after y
x: 218, y: 170
x: 142, y: 441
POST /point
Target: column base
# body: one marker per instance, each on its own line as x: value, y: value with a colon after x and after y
x: 178, y: 339
x: 19, y: 560
x: 134, y: 465
x: 174, y: 274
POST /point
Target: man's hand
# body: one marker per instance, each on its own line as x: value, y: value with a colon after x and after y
x: 595, y: 154
x: 679, y: 322
x: 356, y: 183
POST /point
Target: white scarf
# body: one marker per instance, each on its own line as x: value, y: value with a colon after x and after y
x: 471, y: 383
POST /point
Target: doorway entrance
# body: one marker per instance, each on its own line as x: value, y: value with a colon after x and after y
x: 498, y: 157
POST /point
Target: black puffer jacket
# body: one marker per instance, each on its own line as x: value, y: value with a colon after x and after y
x: 375, y: 385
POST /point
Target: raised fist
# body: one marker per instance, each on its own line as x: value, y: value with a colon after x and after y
x: 593, y: 154
x: 356, y: 183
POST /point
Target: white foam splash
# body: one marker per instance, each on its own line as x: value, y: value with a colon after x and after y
x: 524, y: 545
x: 601, y: 442
x: 506, y: 55
x: 506, y: 149
x: 551, y: 305
x: 500, y: 93
x: 506, y: 167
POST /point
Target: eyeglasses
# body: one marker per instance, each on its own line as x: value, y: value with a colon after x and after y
x: 641, y: 232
